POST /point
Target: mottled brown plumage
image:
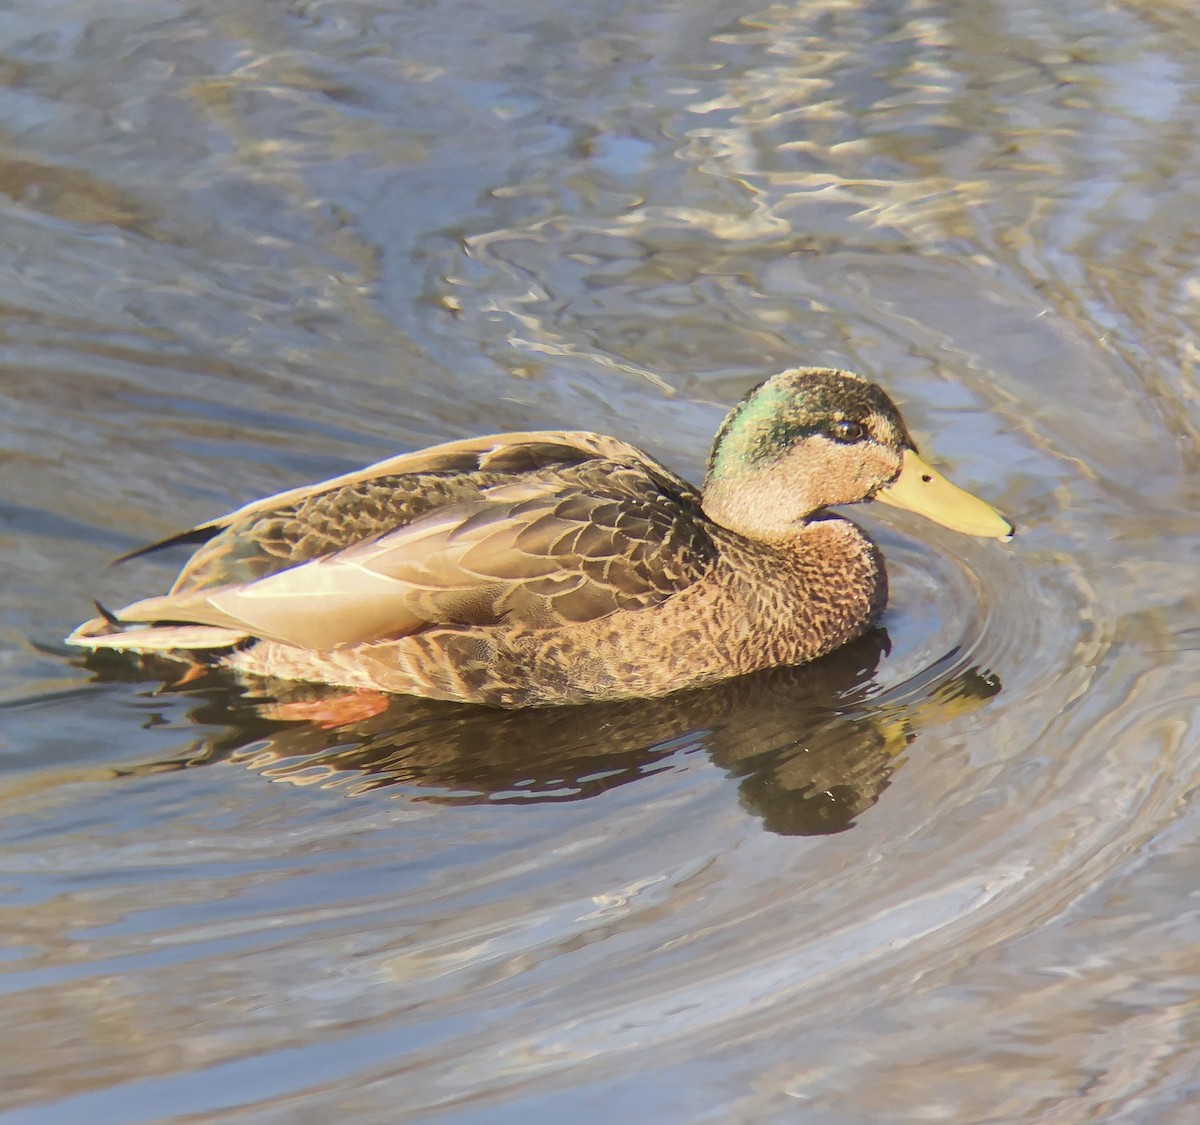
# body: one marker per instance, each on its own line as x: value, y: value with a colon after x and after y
x: 539, y: 568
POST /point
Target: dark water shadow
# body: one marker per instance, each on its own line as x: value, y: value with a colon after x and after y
x: 812, y: 747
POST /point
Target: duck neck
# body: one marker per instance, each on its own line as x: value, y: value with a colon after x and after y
x: 756, y: 504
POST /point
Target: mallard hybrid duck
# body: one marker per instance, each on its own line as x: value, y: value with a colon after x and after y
x: 529, y: 569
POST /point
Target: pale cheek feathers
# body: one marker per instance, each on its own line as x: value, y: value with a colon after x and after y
x: 840, y: 474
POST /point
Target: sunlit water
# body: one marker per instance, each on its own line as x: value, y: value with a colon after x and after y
x: 949, y: 875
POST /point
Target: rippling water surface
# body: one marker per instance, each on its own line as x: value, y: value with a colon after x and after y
x: 948, y: 875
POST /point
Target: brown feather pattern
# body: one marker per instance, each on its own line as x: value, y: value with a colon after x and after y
x: 558, y: 567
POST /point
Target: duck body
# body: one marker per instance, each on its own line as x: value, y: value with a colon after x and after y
x: 543, y: 568
x: 729, y: 621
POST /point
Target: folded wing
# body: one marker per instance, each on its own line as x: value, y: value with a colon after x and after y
x: 541, y: 530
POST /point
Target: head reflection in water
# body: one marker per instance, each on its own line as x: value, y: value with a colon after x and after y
x: 810, y: 751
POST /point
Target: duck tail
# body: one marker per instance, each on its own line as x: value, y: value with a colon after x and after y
x: 108, y: 631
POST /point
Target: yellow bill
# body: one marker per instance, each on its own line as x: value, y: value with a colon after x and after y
x: 922, y: 489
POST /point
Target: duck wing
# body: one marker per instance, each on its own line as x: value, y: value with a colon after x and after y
x: 534, y: 530
x: 300, y: 524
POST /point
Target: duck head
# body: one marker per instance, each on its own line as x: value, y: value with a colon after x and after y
x: 809, y: 438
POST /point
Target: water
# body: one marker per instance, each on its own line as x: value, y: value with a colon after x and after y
x: 948, y: 876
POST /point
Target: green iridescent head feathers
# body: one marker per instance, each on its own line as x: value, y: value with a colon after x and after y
x: 799, y: 404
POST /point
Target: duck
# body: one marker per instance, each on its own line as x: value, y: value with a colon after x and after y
x: 559, y: 567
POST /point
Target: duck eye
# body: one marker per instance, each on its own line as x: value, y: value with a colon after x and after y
x: 846, y: 432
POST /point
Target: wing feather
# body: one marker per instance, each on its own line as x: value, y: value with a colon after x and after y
x: 302, y: 524
x: 558, y: 545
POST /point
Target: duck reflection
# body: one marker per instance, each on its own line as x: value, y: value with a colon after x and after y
x: 813, y: 747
